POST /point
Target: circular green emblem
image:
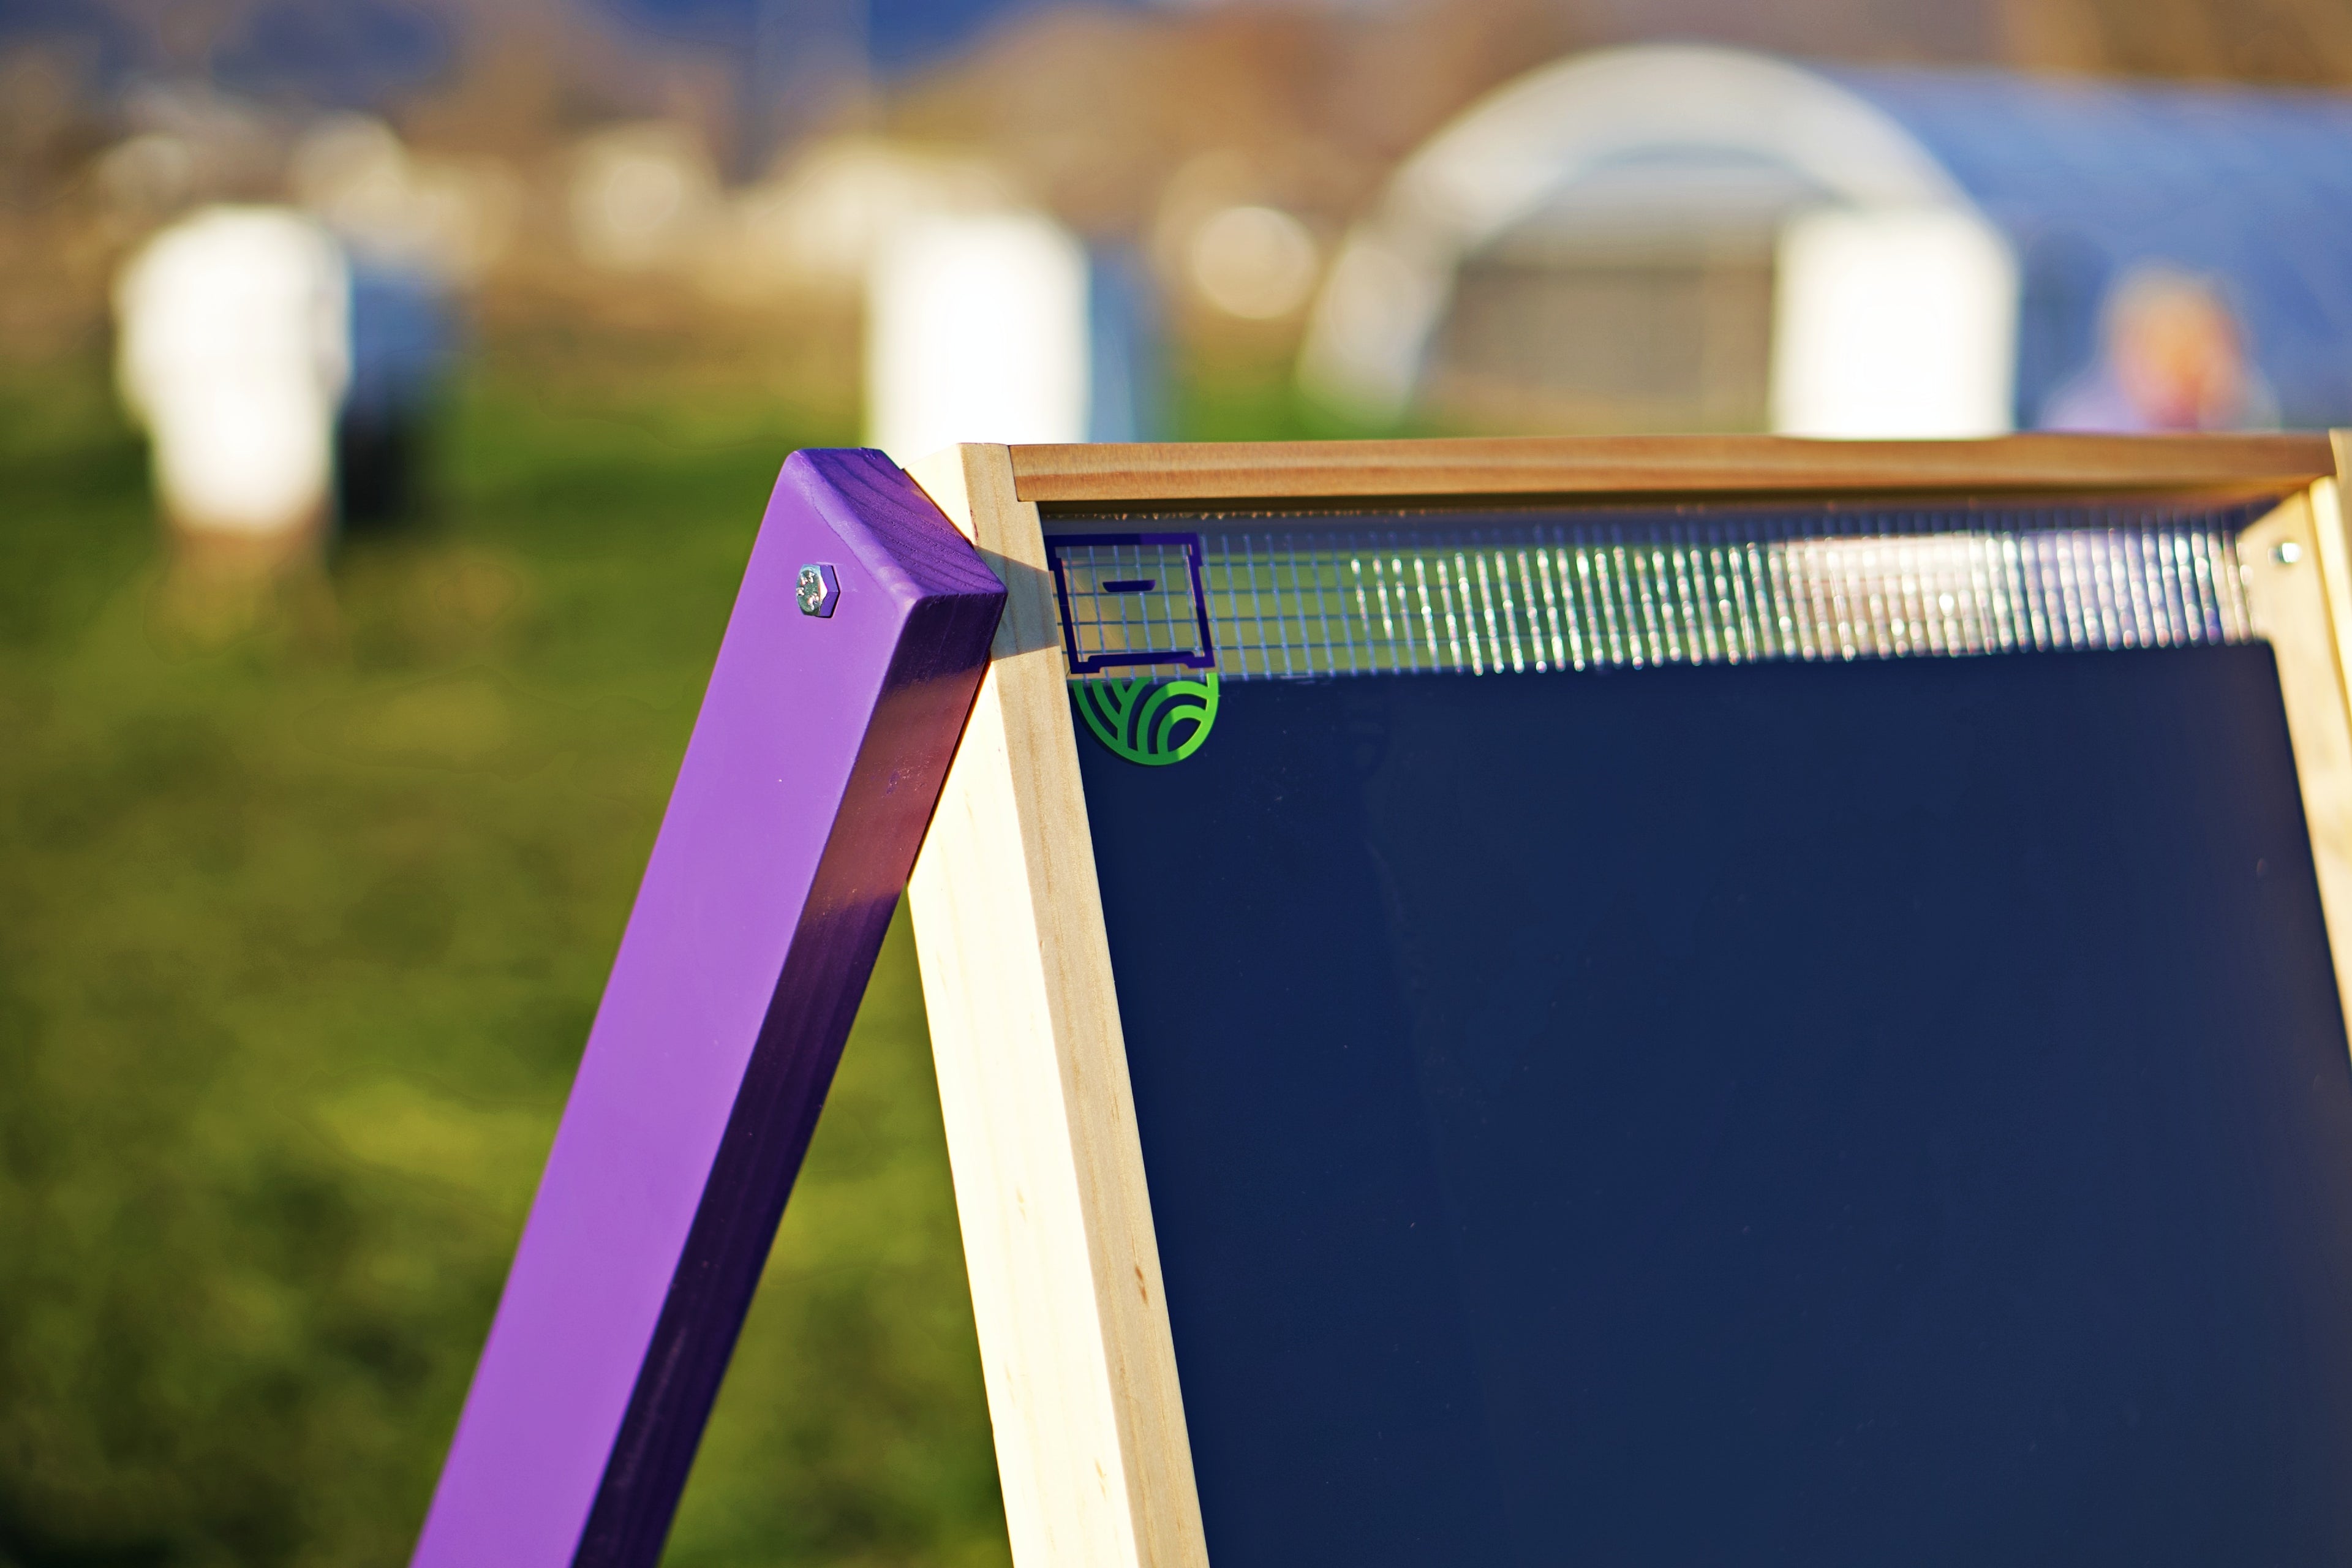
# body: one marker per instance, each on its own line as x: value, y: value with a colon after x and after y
x: 1145, y: 721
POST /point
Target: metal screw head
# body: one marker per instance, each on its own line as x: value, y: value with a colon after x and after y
x: 2287, y: 553
x: 817, y: 589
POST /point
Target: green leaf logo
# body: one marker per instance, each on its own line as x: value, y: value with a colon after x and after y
x: 1140, y: 718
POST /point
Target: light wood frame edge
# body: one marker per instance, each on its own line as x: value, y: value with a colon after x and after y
x: 2297, y: 564
x: 1077, y: 1355
x: 1683, y: 465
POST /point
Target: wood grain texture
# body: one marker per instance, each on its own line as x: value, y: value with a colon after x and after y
x: 2298, y: 573
x: 1079, y: 1362
x: 1640, y: 465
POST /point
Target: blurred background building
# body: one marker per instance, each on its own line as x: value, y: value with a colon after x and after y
x: 1478, y: 215
x: 1675, y: 237
x: 304, y: 908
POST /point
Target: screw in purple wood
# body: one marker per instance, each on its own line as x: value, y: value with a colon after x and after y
x: 817, y: 589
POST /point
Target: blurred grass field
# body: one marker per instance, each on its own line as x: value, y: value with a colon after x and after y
x: 304, y: 911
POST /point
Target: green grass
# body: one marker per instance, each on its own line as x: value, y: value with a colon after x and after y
x: 303, y: 916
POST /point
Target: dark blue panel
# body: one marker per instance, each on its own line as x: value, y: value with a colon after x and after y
x: 1824, y: 1115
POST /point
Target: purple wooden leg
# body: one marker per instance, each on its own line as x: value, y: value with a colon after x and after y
x: 812, y: 775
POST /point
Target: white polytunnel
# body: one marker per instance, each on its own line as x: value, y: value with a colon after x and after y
x: 1690, y: 238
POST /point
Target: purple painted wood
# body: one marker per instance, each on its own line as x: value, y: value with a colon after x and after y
x: 811, y: 775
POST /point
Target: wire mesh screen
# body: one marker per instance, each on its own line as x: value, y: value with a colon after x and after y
x: 1295, y: 598
x: 1131, y: 599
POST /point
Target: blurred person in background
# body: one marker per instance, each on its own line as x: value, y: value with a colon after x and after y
x: 2173, y: 358
x: 413, y: 232
x: 400, y: 350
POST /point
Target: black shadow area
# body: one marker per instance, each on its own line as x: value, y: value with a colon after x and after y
x: 1830, y: 1115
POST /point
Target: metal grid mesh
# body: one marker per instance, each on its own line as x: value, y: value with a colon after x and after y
x: 1549, y: 593
x: 1122, y: 596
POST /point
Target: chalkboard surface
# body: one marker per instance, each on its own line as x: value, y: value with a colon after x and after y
x: 1821, y: 1113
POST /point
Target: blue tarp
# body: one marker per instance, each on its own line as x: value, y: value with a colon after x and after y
x: 2088, y: 179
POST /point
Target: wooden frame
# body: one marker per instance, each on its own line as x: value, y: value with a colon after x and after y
x: 1050, y: 1184
x: 858, y: 638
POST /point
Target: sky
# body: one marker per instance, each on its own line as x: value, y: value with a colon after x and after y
x: 363, y: 52
x: 901, y: 34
